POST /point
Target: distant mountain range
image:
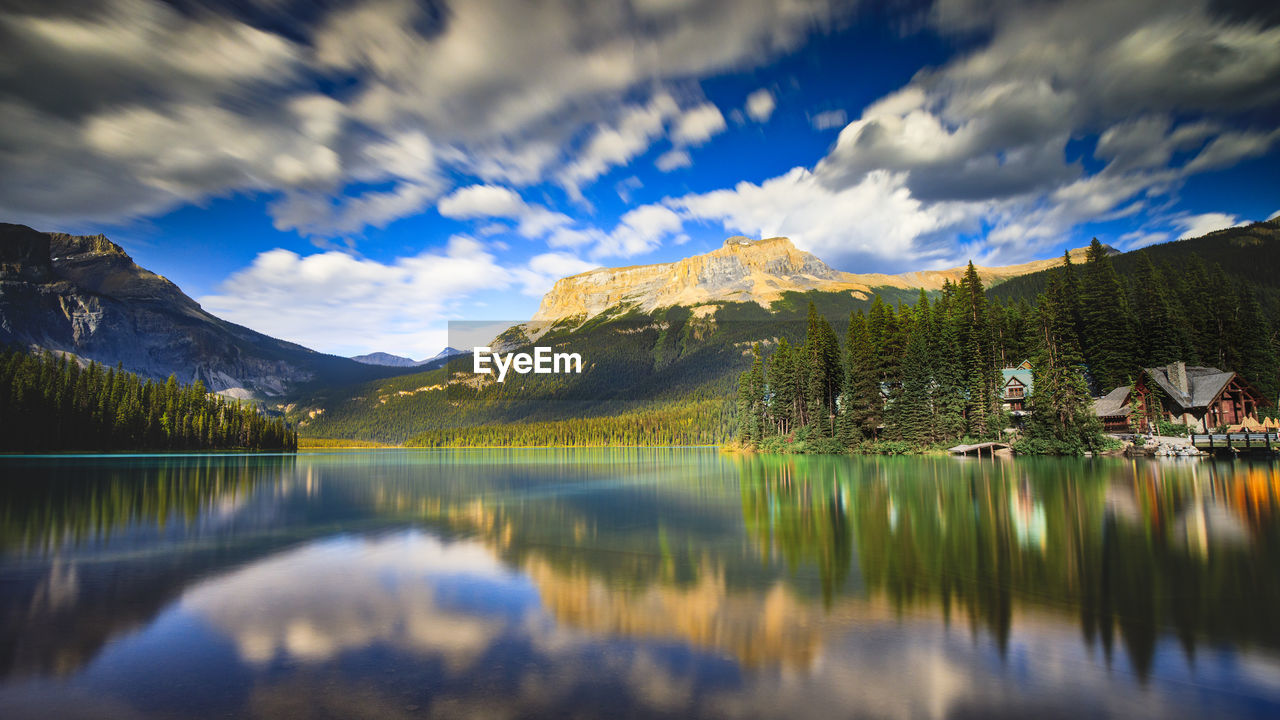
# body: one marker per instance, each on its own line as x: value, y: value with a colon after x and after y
x: 84, y: 295
x: 389, y: 360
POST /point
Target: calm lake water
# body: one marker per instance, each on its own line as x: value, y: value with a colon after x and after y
x: 638, y: 582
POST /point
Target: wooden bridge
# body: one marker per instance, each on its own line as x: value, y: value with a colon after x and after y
x: 1239, y: 441
x: 989, y: 448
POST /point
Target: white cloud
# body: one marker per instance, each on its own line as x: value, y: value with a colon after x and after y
x: 543, y: 270
x: 269, y: 609
x: 482, y: 201
x: 638, y: 231
x: 1140, y: 239
x: 673, y: 159
x: 611, y: 145
x: 863, y: 227
x: 760, y: 105
x: 315, y: 213
x: 336, y: 302
x: 1230, y: 148
x: 1148, y: 141
x: 625, y: 186
x: 829, y: 119
x: 492, y: 201
x: 1205, y: 223
x: 698, y: 125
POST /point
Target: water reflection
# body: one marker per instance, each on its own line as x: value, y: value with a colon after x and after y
x: 1133, y: 550
x: 683, y: 582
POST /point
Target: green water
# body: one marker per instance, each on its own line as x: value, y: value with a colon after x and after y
x: 638, y: 582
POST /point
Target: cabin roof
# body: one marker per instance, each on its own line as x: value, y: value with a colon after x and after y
x: 1020, y: 374
x: 1204, y: 385
x: 1113, y: 404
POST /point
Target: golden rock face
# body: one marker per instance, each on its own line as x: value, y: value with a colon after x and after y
x: 742, y: 270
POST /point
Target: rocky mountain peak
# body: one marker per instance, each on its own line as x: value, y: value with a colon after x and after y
x: 741, y: 270
x: 84, y: 295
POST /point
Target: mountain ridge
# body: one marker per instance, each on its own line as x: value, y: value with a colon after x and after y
x: 741, y: 270
x: 385, y: 359
x: 83, y: 295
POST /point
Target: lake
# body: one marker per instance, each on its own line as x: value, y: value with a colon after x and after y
x: 636, y: 582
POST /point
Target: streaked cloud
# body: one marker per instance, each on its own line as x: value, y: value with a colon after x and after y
x: 829, y: 119
x: 760, y: 105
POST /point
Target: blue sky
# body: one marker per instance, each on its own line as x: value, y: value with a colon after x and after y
x: 353, y: 174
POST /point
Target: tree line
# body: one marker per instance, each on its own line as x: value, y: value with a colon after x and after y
x: 52, y: 403
x: 927, y: 374
x: 695, y: 422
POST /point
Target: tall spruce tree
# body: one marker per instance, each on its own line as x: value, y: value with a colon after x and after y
x: 1062, y: 420
x: 980, y: 372
x: 782, y: 388
x: 822, y: 351
x: 862, y: 406
x: 910, y: 415
x: 747, y: 436
x: 757, y: 389
x: 1108, y: 337
x: 886, y: 344
x: 949, y: 396
x: 1160, y: 337
x: 1254, y: 356
x: 751, y: 400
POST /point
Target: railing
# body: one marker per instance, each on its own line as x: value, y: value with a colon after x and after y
x: 1238, y: 441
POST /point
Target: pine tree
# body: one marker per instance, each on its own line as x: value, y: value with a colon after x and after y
x: 1159, y: 335
x: 1108, y: 347
x: 751, y: 401
x: 1254, y: 357
x: 885, y: 342
x: 1062, y: 419
x: 949, y: 394
x: 978, y: 357
x: 782, y: 388
x: 862, y: 404
x: 910, y: 414
x: 824, y: 372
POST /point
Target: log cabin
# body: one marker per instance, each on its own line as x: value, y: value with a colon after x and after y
x: 1203, y: 398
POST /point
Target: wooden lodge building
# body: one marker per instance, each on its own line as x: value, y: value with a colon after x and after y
x: 1203, y: 398
x: 1017, y: 388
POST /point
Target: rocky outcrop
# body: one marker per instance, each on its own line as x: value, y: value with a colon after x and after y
x: 85, y: 296
x: 742, y: 270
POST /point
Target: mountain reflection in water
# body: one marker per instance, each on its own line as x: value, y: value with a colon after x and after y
x: 636, y: 582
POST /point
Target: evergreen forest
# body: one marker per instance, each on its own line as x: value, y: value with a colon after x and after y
x: 52, y: 403
x: 928, y: 374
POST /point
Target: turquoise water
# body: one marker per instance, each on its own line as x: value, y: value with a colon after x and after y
x: 636, y: 582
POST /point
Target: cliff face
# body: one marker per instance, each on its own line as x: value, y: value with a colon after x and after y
x: 85, y: 296
x: 742, y: 270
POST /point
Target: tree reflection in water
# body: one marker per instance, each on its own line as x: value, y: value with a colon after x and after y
x: 1132, y: 548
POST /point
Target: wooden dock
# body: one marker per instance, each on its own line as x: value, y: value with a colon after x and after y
x: 1239, y: 441
x: 989, y: 447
